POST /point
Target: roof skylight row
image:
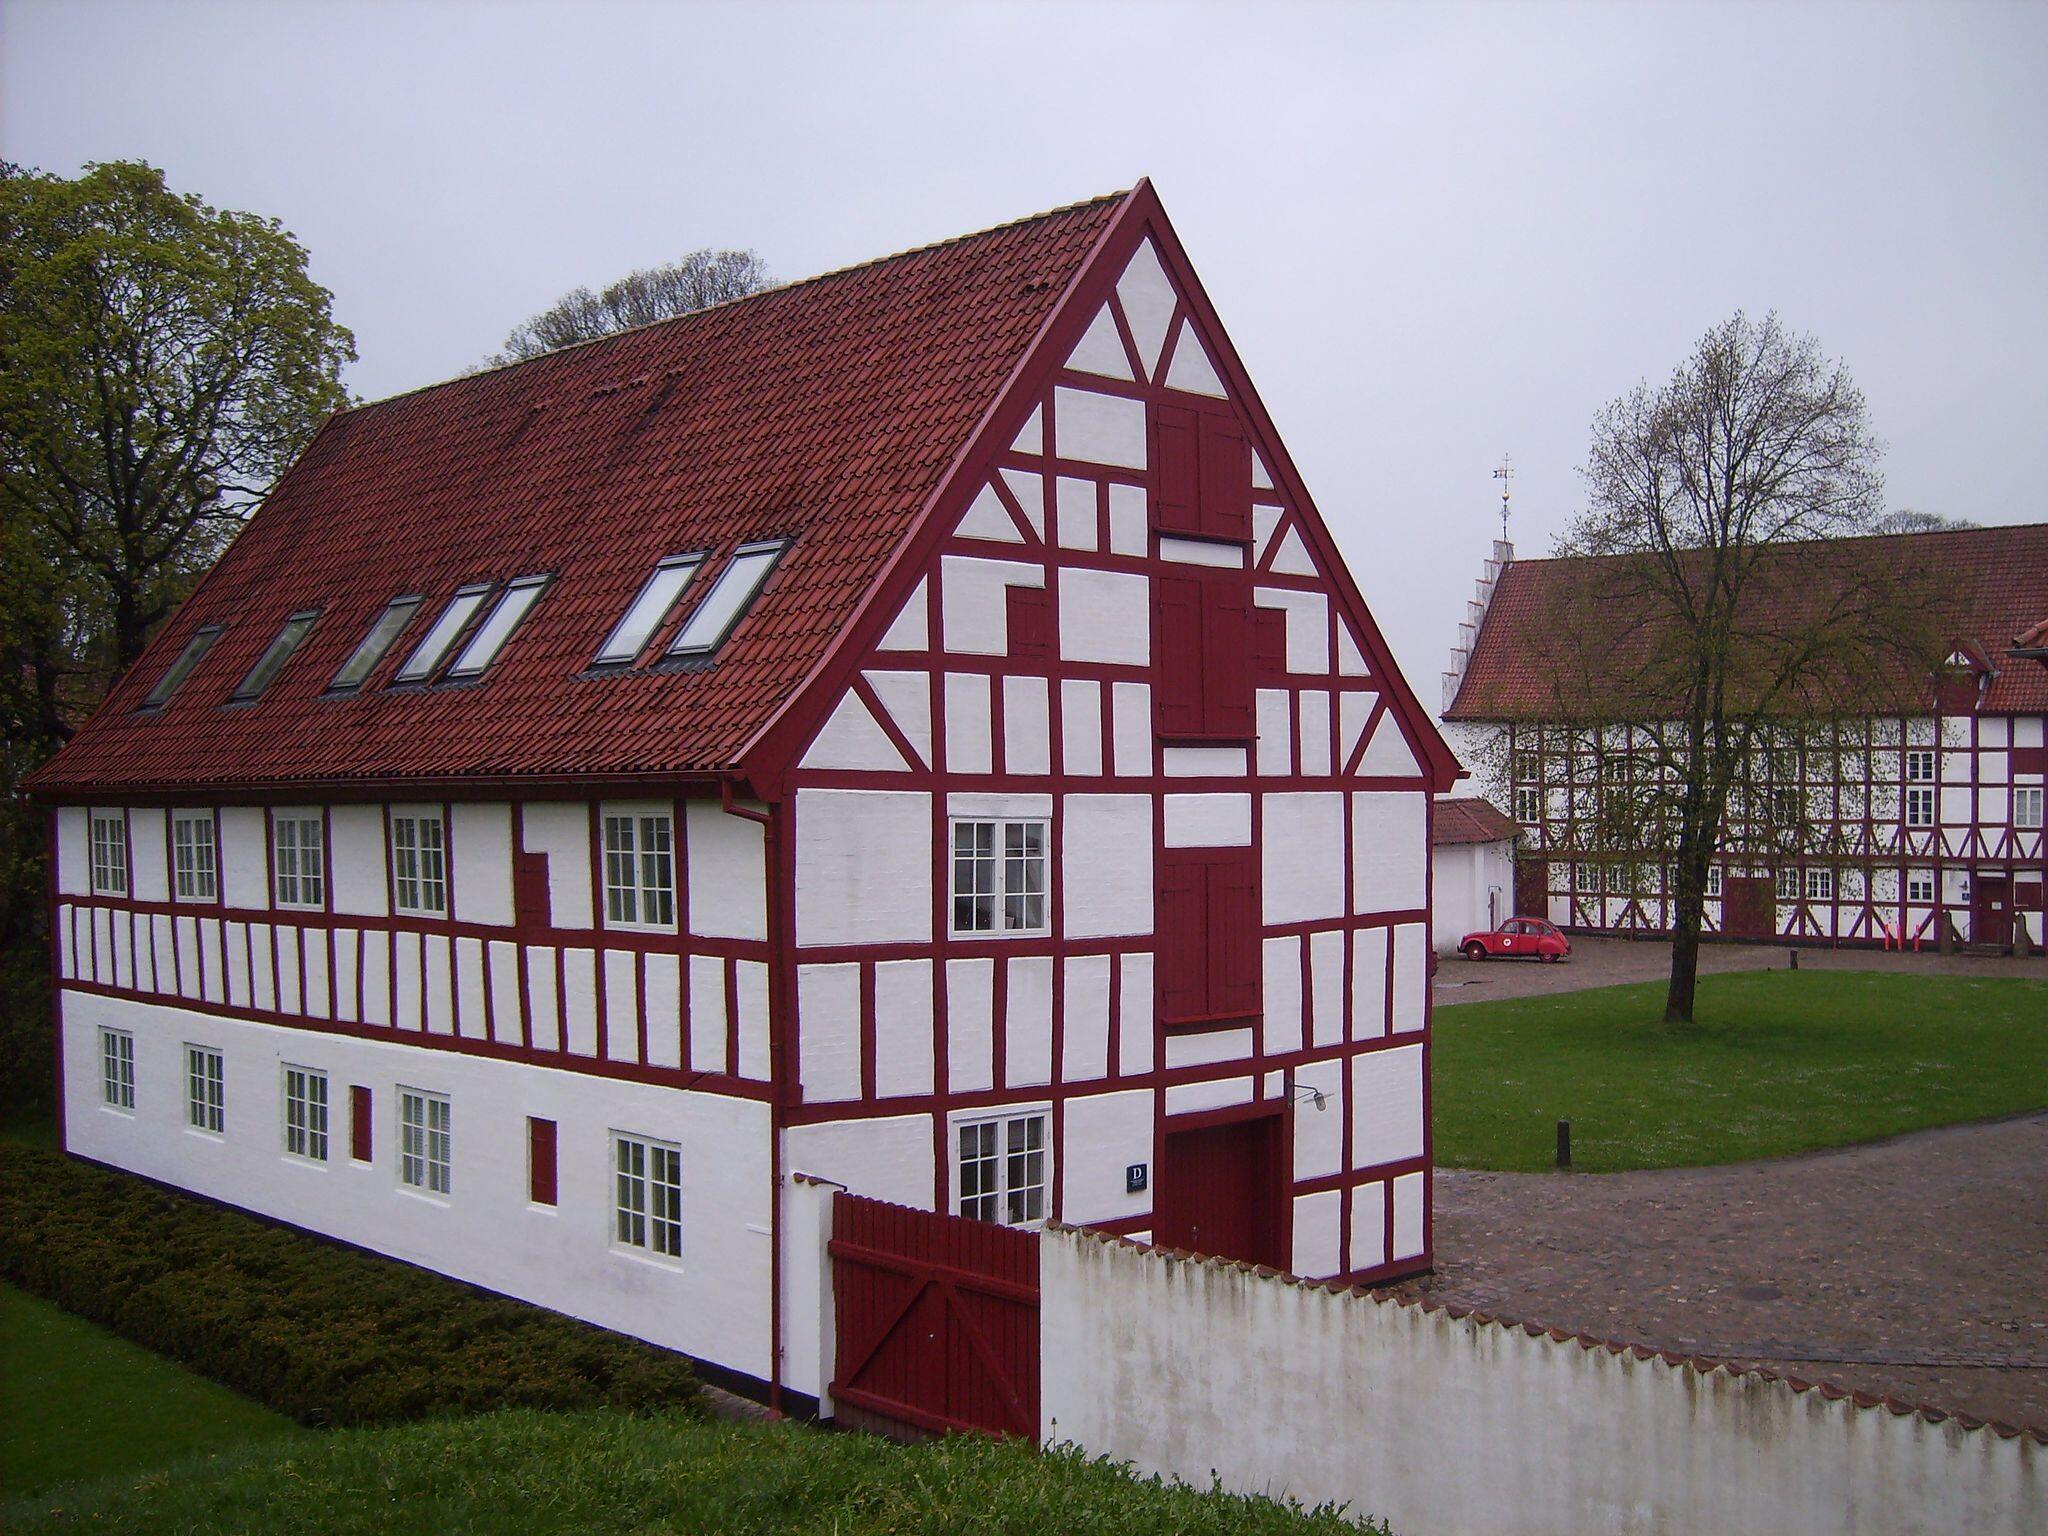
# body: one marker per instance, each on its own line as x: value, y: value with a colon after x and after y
x: 714, y: 617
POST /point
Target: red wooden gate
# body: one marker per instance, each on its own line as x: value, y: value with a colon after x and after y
x: 937, y: 1317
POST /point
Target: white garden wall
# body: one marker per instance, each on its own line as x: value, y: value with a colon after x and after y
x: 1456, y: 1427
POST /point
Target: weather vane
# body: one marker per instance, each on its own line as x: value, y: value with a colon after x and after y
x: 1504, y: 474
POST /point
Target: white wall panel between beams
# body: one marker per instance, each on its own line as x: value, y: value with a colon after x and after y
x: 480, y: 848
x: 1027, y: 729
x: 909, y: 630
x: 1028, y: 487
x: 1105, y: 616
x: 974, y: 601
x: 970, y: 1025
x: 1326, y: 986
x: 1030, y: 437
x: 560, y: 831
x: 1301, y: 876
x: 148, y: 858
x: 579, y: 1001
x: 1085, y: 1019
x: 903, y: 1028
x: 1283, y: 1000
x: 1316, y: 1233
x: 1210, y: 821
x: 863, y: 867
x: 907, y: 696
x: 1369, y: 983
x: 886, y: 1159
x: 1137, y: 1025
x: 1027, y: 1022
x: 750, y: 1002
x: 1094, y: 428
x: 1275, y: 709
x: 1411, y: 976
x: 1202, y: 762
x: 1081, y: 725
x: 1191, y: 369
x: 1105, y: 1132
x: 1389, y: 850
x: 1105, y: 877
x: 1308, y: 626
x: 1129, y: 526
x: 1076, y: 524
x: 1100, y: 349
x: 74, y: 851
x: 969, y: 748
x: 708, y: 1015
x: 1408, y: 1194
x: 852, y: 739
x: 1130, y: 709
x: 828, y: 1031
x: 726, y: 862
x: 987, y: 518
x: 1148, y: 300
x: 244, y: 857
x: 1319, y: 1133
x: 1368, y: 1226
x: 1386, y: 1106
x: 1388, y: 754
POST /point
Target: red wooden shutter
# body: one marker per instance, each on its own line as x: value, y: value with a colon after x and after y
x: 1176, y: 470
x: 530, y: 888
x: 1032, y: 630
x: 1226, y: 655
x: 1233, y: 938
x: 2030, y: 759
x: 1182, y: 921
x: 359, y: 1123
x: 1269, y: 641
x: 1177, y: 652
x: 1202, y: 644
x: 1226, y: 479
x: 540, y: 1160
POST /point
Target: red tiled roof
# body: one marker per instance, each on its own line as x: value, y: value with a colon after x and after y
x: 1469, y: 821
x: 827, y: 411
x: 1996, y: 578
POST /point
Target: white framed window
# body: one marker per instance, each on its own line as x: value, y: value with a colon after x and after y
x: 195, y: 856
x: 720, y: 610
x: 117, y: 1069
x: 1788, y: 805
x: 1820, y: 884
x: 274, y: 657
x: 298, y: 851
x: 109, y: 853
x: 1002, y: 1167
x: 1920, y: 767
x: 425, y: 1140
x: 447, y: 627
x: 2026, y: 807
x: 305, y: 1114
x: 188, y: 659
x: 1525, y: 767
x: 639, y: 869
x: 1000, y: 876
x: 647, y: 1195
x: 514, y: 600
x: 419, y: 863
x: 206, y: 1092
x: 371, y: 649
x: 650, y: 609
x: 1528, y: 804
x: 1920, y: 885
x: 1919, y: 807
x: 1714, y: 882
x: 1788, y: 885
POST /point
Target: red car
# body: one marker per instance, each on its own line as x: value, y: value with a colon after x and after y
x: 1518, y: 936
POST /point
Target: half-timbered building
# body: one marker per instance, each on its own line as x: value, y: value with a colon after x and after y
x: 909, y: 728
x: 1919, y: 824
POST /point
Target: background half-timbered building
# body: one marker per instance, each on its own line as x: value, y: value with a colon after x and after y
x: 909, y: 728
x: 1919, y: 822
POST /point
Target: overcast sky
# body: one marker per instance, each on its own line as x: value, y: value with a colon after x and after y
x: 1436, y: 234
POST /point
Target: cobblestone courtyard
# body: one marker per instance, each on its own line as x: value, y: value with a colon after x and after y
x: 1916, y: 1267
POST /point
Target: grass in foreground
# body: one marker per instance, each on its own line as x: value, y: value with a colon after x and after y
x: 529, y: 1472
x: 1777, y: 1062
x: 76, y: 1402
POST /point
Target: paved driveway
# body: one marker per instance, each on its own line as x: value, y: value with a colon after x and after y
x: 1602, y: 962
x: 1916, y: 1267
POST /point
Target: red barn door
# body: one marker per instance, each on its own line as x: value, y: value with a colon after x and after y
x: 1991, y: 909
x: 1221, y: 1191
x: 1749, y: 907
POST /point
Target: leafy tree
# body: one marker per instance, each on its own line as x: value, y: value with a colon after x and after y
x: 1732, y: 632
x: 700, y: 280
x: 161, y: 362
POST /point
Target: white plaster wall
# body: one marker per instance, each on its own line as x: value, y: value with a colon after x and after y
x: 355, y: 856
x: 1105, y: 876
x: 903, y: 1027
x: 1302, y: 857
x: 1097, y: 428
x: 1448, y: 1427
x: 560, y: 830
x: 244, y: 857
x: 74, y: 851
x: 1105, y: 616
x: 149, y: 872
x: 1389, y: 850
x: 713, y: 1304
x: 480, y: 844
x: 1386, y: 1106
x: 727, y: 872
x: 1105, y: 1133
x: 863, y: 866
x: 828, y: 1031
x: 974, y: 601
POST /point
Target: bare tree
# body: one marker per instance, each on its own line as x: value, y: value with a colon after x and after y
x: 700, y: 280
x: 1730, y: 617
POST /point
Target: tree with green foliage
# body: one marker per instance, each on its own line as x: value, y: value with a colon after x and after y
x: 700, y: 280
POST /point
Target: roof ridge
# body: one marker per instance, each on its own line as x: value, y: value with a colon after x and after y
x: 1847, y: 538
x: 745, y: 298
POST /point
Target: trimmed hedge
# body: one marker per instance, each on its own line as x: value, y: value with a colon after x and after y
x: 325, y: 1334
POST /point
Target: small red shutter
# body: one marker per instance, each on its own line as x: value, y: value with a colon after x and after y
x: 1269, y: 641
x: 1183, y: 924
x: 530, y: 888
x: 1177, y: 651
x: 1233, y: 936
x: 540, y: 1160
x: 1226, y: 479
x: 2030, y: 759
x: 359, y: 1123
x: 1226, y: 656
x: 1176, y: 473
x: 1031, y: 623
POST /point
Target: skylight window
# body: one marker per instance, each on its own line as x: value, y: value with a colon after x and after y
x: 727, y: 601
x: 512, y: 605
x: 363, y: 659
x: 194, y: 653
x: 656, y: 601
x: 272, y: 661
x: 426, y: 656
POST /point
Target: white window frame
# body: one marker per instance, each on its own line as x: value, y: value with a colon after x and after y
x: 308, y: 1113
x: 1820, y: 883
x: 508, y: 610
x: 1787, y: 882
x: 2026, y: 807
x: 117, y: 1070
x: 639, y: 878
x: 108, y: 833
x: 419, y: 864
x: 419, y: 1169
x: 288, y: 873
x: 1713, y: 891
x: 194, y: 877
x: 449, y: 626
x: 1528, y: 804
x: 733, y: 593
x: 1000, y: 863
x: 647, y: 1197
x: 1920, y: 758
x: 206, y: 1089
x: 649, y: 610
x: 391, y: 622
x: 1924, y: 882
x: 1003, y: 1194
x: 1920, y: 805
x: 1526, y: 766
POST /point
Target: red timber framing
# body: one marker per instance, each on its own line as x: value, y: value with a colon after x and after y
x: 937, y: 1321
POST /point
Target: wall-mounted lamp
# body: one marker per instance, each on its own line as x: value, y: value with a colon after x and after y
x: 1313, y: 1092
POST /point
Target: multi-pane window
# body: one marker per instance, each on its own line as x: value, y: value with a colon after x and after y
x: 1919, y: 807
x: 453, y: 620
x: 1788, y: 885
x: 1920, y: 767
x: 195, y: 859
x: 206, y: 1094
x: 2026, y: 807
x: 726, y: 603
x: 639, y: 869
x: 1920, y: 885
x: 999, y: 876
x: 370, y: 650
x: 305, y: 1115
x: 419, y: 862
x: 109, y: 853
x: 513, y: 602
x: 117, y: 1068
x: 424, y: 1127
x: 298, y: 845
x: 647, y: 1200
x: 1820, y: 885
x: 189, y: 658
x: 1528, y: 804
x: 1525, y: 767
x: 1714, y: 881
x: 1788, y: 805
x: 656, y: 600
x: 272, y: 661
x: 1002, y: 1169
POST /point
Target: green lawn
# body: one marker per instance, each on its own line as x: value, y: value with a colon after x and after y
x: 75, y: 1401
x: 1777, y: 1062
x: 535, y: 1473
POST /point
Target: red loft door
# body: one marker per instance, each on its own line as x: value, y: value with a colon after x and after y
x: 1991, y: 909
x: 1221, y: 1192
